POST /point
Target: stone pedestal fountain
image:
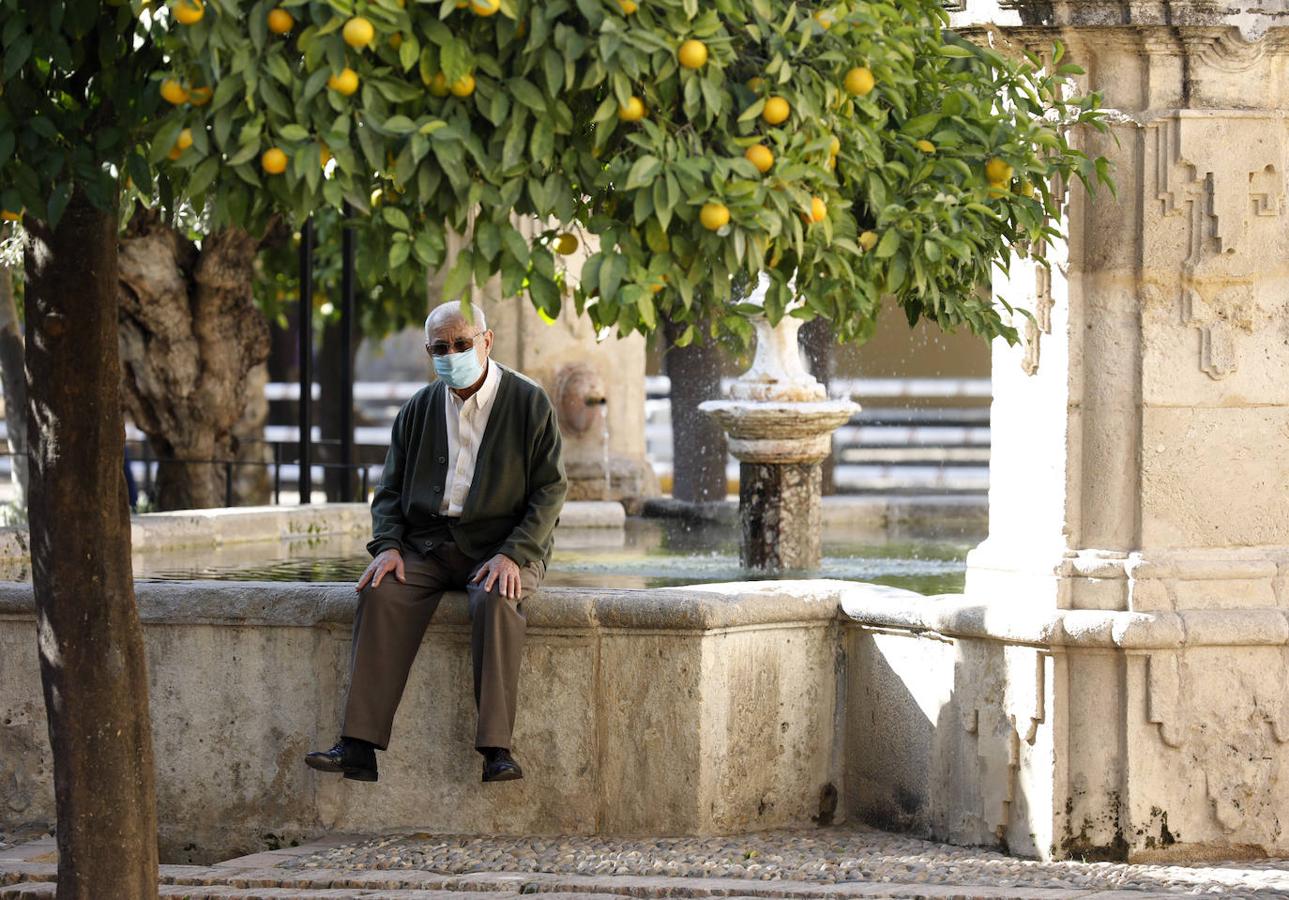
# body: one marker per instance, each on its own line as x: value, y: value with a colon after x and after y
x: 780, y: 423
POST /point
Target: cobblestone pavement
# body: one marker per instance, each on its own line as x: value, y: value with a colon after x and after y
x: 828, y: 864
x: 828, y: 855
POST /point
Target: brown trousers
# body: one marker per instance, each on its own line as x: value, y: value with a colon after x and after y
x: 390, y: 624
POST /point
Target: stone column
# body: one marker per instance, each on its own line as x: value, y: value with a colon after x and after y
x: 781, y: 510
x: 1139, y: 475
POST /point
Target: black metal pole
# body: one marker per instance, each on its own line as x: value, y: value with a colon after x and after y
x: 306, y: 361
x: 346, y: 356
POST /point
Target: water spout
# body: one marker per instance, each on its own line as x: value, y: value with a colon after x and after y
x: 604, y: 431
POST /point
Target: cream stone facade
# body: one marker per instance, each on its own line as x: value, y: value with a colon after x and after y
x: 1115, y: 682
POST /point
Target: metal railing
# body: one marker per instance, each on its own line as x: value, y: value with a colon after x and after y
x: 151, y: 462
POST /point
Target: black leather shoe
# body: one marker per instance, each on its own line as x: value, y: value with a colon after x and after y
x: 500, y: 766
x: 354, y: 758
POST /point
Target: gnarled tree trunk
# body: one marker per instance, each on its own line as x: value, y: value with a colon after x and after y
x: 190, y: 334
x: 92, y: 661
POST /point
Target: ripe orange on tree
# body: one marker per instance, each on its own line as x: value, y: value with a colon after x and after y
x: 280, y: 21
x: 997, y: 171
x: 760, y: 156
x: 463, y: 86
x: 485, y: 8
x: 345, y: 82
x: 860, y: 81
x: 173, y: 92
x: 714, y: 216
x: 189, y: 12
x: 358, y: 32
x: 200, y: 96
x: 692, y: 54
x: 632, y: 111
x: 274, y: 161
x: 776, y: 110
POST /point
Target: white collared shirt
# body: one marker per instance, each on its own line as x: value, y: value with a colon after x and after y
x: 466, y: 420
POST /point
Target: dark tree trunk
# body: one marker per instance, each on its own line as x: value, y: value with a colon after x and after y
x: 698, y: 443
x: 331, y: 390
x: 820, y: 344
x: 190, y: 334
x: 92, y: 660
x: 15, y: 385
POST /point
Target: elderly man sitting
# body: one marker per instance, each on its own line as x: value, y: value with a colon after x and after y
x: 472, y: 488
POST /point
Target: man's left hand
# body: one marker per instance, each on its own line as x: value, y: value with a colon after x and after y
x: 504, y: 572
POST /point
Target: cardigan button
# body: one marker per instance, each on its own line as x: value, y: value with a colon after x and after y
x: 437, y: 489
x: 443, y: 459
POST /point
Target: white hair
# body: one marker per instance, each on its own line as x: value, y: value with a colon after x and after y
x: 453, y: 309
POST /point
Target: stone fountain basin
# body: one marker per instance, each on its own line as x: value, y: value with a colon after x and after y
x: 779, y: 431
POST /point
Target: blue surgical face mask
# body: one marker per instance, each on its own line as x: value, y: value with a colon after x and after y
x: 459, y: 370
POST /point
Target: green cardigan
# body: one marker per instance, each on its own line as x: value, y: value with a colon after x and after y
x: 518, y: 487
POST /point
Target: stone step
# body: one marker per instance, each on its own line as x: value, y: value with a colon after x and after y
x: 224, y: 881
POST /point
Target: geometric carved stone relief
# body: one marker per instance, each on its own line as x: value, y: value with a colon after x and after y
x: 1001, y: 724
x: 1226, y: 185
x: 1231, y: 752
x: 1163, y: 697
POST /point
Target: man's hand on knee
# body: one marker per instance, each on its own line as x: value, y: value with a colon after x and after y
x: 502, y: 571
x: 385, y: 562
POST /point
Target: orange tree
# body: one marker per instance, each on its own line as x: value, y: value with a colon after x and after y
x: 851, y: 151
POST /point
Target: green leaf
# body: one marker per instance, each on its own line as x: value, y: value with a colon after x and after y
x: 398, y: 254
x: 459, y: 277
x: 396, y: 218
x: 644, y: 303
x: 920, y: 126
x: 202, y: 176
x: 889, y: 243
x: 400, y: 125
x: 643, y: 172
x: 294, y: 133
x: 527, y: 93
x: 245, y: 153
x: 456, y: 60
x: 752, y: 111
x: 58, y: 198
x: 612, y: 269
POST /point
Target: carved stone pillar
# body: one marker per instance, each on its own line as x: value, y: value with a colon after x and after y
x: 1140, y: 467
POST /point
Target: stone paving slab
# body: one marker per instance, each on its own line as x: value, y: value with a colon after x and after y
x: 837, y: 857
x: 849, y: 864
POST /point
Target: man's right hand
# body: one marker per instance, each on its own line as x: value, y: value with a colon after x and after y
x: 385, y: 562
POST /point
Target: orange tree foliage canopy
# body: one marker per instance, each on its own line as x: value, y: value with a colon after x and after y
x: 908, y: 163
